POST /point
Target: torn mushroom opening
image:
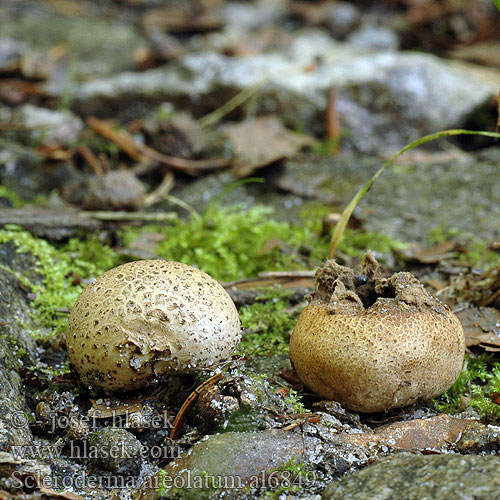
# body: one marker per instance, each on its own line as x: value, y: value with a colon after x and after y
x: 340, y: 287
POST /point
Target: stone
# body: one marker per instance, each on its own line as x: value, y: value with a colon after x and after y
x: 97, y: 46
x: 116, y: 450
x: 422, y: 477
x: 48, y: 126
x: 438, y: 432
x: 374, y: 37
x: 10, y: 53
x: 341, y: 18
x: 385, y: 98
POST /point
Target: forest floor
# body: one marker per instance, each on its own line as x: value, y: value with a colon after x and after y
x: 230, y: 136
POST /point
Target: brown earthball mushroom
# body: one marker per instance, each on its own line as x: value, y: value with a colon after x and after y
x: 374, y: 344
x: 142, y: 320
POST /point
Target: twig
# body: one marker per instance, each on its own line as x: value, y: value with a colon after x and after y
x: 163, y: 189
x: 333, y: 122
x: 135, y: 216
x: 144, y: 154
x: 302, y: 419
x: 92, y: 160
x: 181, y: 203
x: 189, y: 403
x: 287, y: 274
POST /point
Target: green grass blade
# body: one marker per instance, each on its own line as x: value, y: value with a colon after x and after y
x: 346, y: 214
x: 497, y: 3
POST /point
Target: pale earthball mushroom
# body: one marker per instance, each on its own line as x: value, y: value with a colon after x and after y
x: 143, y: 320
x: 373, y: 344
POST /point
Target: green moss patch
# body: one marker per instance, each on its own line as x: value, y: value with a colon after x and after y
x: 478, y: 387
x: 267, y: 324
x: 230, y: 243
x: 59, y: 267
x: 10, y: 198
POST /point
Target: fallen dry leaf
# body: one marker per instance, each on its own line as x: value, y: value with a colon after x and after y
x: 482, y: 327
x: 110, y: 408
x: 432, y: 255
x: 66, y: 495
x: 261, y: 141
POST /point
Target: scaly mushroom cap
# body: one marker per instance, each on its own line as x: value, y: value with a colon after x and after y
x: 396, y: 346
x: 145, y: 319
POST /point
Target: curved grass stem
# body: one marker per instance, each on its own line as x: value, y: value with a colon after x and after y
x: 346, y: 214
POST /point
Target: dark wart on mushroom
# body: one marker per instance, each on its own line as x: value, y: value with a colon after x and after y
x: 374, y: 344
x: 143, y: 320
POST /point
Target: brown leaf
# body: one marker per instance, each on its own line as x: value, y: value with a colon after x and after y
x: 67, y: 495
x: 261, y: 141
x: 482, y: 327
x: 495, y: 397
x: 495, y: 245
x: 420, y: 434
x: 16, y: 91
x: 114, y: 190
x: 116, y: 408
x: 147, y: 241
x: 431, y: 255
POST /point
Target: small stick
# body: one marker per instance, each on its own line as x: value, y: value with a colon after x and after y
x: 163, y: 189
x: 333, y: 122
x: 92, y: 160
x: 126, y: 216
x: 189, y: 403
x: 313, y: 418
x: 144, y: 154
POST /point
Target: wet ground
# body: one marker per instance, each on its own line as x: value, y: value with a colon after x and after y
x: 129, y: 129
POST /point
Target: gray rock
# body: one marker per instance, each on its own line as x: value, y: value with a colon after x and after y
x: 259, y: 401
x: 24, y: 171
x: 47, y: 126
x: 243, y: 455
x: 96, y: 45
x: 422, y: 477
x: 116, y: 450
x: 238, y: 463
x: 115, y: 190
x: 242, y: 463
x: 374, y: 37
x: 14, y: 470
x: 460, y: 191
x: 200, y: 192
x: 341, y: 18
x: 242, y: 15
x: 385, y: 99
x: 478, y: 438
x: 411, y: 200
x: 10, y: 53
